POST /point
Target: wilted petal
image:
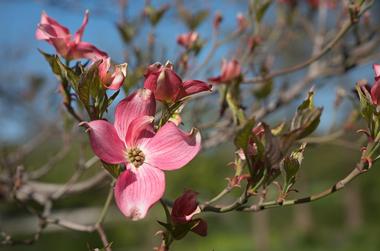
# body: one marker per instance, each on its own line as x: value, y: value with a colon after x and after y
x: 137, y: 190
x: 137, y: 129
x: 139, y: 103
x: 79, y: 33
x: 172, y: 148
x: 105, y: 142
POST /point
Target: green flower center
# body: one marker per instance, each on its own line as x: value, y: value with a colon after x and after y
x: 135, y: 156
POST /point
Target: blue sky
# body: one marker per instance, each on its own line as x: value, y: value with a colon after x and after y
x: 19, y: 20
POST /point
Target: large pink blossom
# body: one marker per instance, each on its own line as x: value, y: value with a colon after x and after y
x: 168, y: 86
x: 67, y: 46
x: 132, y: 140
x: 230, y: 70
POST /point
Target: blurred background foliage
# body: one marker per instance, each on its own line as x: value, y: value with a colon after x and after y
x: 345, y: 221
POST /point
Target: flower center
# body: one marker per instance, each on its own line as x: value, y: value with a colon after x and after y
x: 135, y: 156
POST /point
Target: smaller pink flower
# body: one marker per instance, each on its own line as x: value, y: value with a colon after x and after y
x: 188, y: 40
x: 168, y: 87
x: 112, y: 79
x: 67, y: 46
x: 230, y: 70
x: 184, y: 209
x: 131, y: 140
x: 375, y: 89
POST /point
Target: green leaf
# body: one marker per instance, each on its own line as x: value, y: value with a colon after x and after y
x: 366, y: 108
x: 291, y: 166
x: 127, y: 31
x: 155, y: 15
x: 192, y: 21
x: 262, y: 9
x: 114, y: 170
x: 53, y: 62
x: 90, y: 89
x: 243, y: 135
x: 306, y: 119
x: 264, y: 90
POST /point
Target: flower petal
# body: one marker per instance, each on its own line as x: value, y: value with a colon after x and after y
x: 185, y: 207
x: 86, y: 50
x: 136, y: 190
x: 200, y: 228
x: 195, y: 86
x: 55, y: 28
x: 375, y: 93
x: 172, y: 148
x: 79, y: 33
x: 139, y: 103
x: 105, y: 142
x: 376, y: 69
x: 137, y: 129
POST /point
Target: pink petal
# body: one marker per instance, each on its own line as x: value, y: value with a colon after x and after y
x: 201, y: 228
x: 137, y: 129
x: 105, y: 142
x: 195, y: 86
x: 139, y: 103
x: 79, y: 33
x: 185, y: 207
x: 86, y: 50
x: 115, y: 80
x: 172, y: 148
x: 216, y: 80
x: 136, y: 190
x: 376, y: 68
x: 151, y: 76
x: 375, y: 93
x: 169, y: 85
x: 57, y: 30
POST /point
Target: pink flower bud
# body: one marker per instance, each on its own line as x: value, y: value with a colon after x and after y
x: 218, y: 18
x: 375, y: 90
x: 231, y: 70
x: 187, y: 40
x: 242, y: 22
x: 168, y: 87
x: 184, y: 208
x: 112, y: 80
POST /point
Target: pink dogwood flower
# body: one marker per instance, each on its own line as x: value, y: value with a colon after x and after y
x: 375, y: 89
x: 168, y: 86
x: 184, y: 209
x: 230, y: 70
x: 188, y: 40
x: 67, y: 46
x: 112, y: 78
x: 131, y: 140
